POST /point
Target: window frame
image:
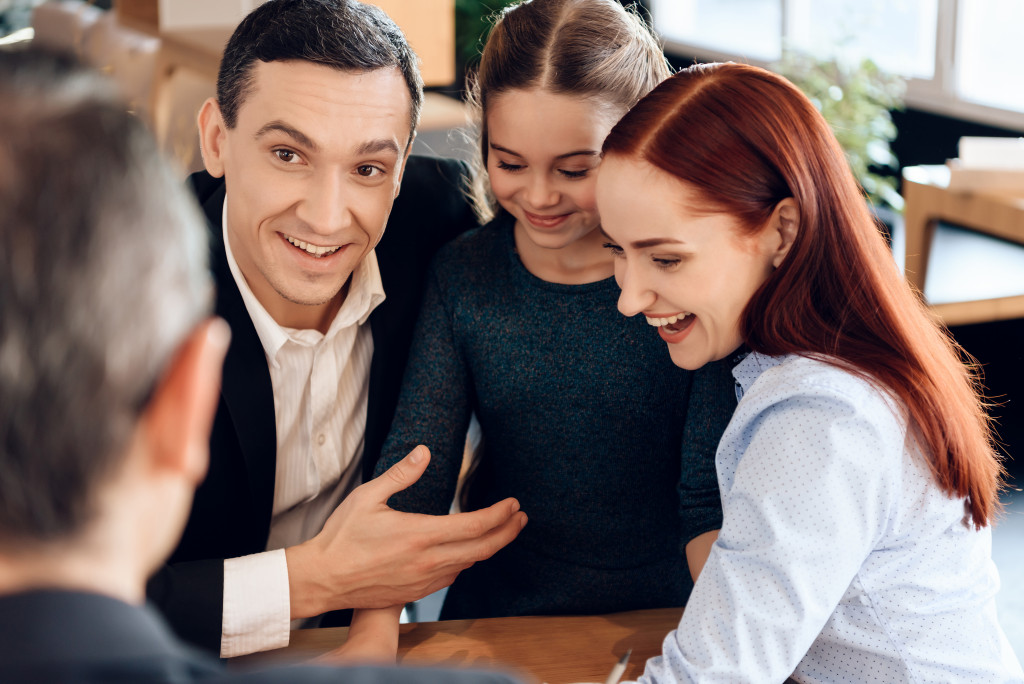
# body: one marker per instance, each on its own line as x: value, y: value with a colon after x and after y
x: 937, y: 95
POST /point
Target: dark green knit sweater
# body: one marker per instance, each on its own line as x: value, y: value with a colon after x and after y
x: 607, y: 445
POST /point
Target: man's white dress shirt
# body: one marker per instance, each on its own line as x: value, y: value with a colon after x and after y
x: 320, y: 385
x: 839, y: 559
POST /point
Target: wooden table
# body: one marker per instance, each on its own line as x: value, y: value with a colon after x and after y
x: 930, y: 200
x: 556, y: 650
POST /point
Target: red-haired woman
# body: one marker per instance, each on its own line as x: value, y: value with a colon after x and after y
x: 858, y: 476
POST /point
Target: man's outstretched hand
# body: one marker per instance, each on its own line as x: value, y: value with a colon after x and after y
x: 371, y: 556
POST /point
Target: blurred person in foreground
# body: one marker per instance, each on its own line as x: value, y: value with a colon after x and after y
x: 109, y: 377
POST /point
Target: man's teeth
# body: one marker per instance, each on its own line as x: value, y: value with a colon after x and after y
x: 312, y: 249
x: 658, y: 322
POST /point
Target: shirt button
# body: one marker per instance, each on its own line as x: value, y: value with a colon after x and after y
x: 321, y: 439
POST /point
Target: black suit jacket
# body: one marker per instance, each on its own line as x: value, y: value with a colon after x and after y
x: 60, y: 637
x: 232, y: 509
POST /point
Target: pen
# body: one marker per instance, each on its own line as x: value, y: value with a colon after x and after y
x: 620, y: 667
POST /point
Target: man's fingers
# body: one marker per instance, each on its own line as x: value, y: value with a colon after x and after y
x: 401, y: 475
x: 464, y: 553
x: 459, y: 527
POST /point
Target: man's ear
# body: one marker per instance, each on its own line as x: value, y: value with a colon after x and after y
x: 212, y: 133
x: 784, y: 226
x: 401, y: 170
x: 178, y: 419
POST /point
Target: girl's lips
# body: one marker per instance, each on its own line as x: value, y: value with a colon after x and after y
x: 546, y: 221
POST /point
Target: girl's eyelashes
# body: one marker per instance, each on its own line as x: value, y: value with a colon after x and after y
x: 566, y: 173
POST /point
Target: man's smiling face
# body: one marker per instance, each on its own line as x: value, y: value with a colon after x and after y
x: 312, y: 168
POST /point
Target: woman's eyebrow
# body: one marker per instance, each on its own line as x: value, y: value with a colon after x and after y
x: 655, y: 242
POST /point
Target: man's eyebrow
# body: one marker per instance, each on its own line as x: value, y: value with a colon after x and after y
x: 369, y: 147
x: 380, y: 145
x: 292, y: 132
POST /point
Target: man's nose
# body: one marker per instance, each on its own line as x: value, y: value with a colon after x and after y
x: 326, y: 209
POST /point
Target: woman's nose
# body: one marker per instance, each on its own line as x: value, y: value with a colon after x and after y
x: 635, y: 297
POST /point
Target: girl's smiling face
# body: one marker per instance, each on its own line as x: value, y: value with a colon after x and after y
x: 690, y: 272
x: 543, y: 152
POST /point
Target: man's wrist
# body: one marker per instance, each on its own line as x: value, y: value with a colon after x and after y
x: 308, y: 592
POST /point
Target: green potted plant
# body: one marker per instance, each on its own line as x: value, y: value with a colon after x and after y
x: 473, y: 21
x: 856, y: 99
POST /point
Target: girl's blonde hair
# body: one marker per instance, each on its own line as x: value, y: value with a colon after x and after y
x: 589, y: 48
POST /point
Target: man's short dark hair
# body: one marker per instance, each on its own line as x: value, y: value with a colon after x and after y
x: 343, y: 34
x: 102, y: 276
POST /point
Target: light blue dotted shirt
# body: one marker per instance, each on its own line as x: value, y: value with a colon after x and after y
x: 839, y: 559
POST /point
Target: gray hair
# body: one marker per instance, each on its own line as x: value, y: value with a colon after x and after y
x: 103, y: 273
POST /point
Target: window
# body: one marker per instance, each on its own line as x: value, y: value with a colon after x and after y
x: 990, y: 67
x: 713, y: 25
x: 962, y: 58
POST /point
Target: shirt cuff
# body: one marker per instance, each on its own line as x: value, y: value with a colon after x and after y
x: 257, y: 605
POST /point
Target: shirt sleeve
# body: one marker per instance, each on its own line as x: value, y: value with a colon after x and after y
x: 257, y: 604
x: 434, y: 408
x: 805, y: 504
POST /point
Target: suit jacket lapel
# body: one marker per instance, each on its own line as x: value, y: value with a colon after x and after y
x: 246, y: 388
x: 377, y: 397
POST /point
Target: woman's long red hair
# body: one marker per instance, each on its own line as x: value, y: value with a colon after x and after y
x: 746, y: 139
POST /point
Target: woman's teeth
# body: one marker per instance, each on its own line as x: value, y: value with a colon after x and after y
x: 312, y: 249
x: 658, y: 322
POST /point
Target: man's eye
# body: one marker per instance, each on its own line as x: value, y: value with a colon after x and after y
x: 286, y: 156
x: 368, y: 170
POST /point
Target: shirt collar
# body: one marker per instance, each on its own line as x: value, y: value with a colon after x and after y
x: 365, y: 293
x: 750, y: 369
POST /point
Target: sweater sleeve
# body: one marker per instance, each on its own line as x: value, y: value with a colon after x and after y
x: 434, y: 407
x: 710, y: 405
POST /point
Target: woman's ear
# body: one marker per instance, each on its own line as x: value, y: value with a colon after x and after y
x: 211, y: 137
x: 784, y: 226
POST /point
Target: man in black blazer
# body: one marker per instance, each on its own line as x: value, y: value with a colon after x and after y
x: 305, y: 146
x: 109, y: 378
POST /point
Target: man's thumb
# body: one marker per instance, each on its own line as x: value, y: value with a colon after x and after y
x: 404, y: 473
